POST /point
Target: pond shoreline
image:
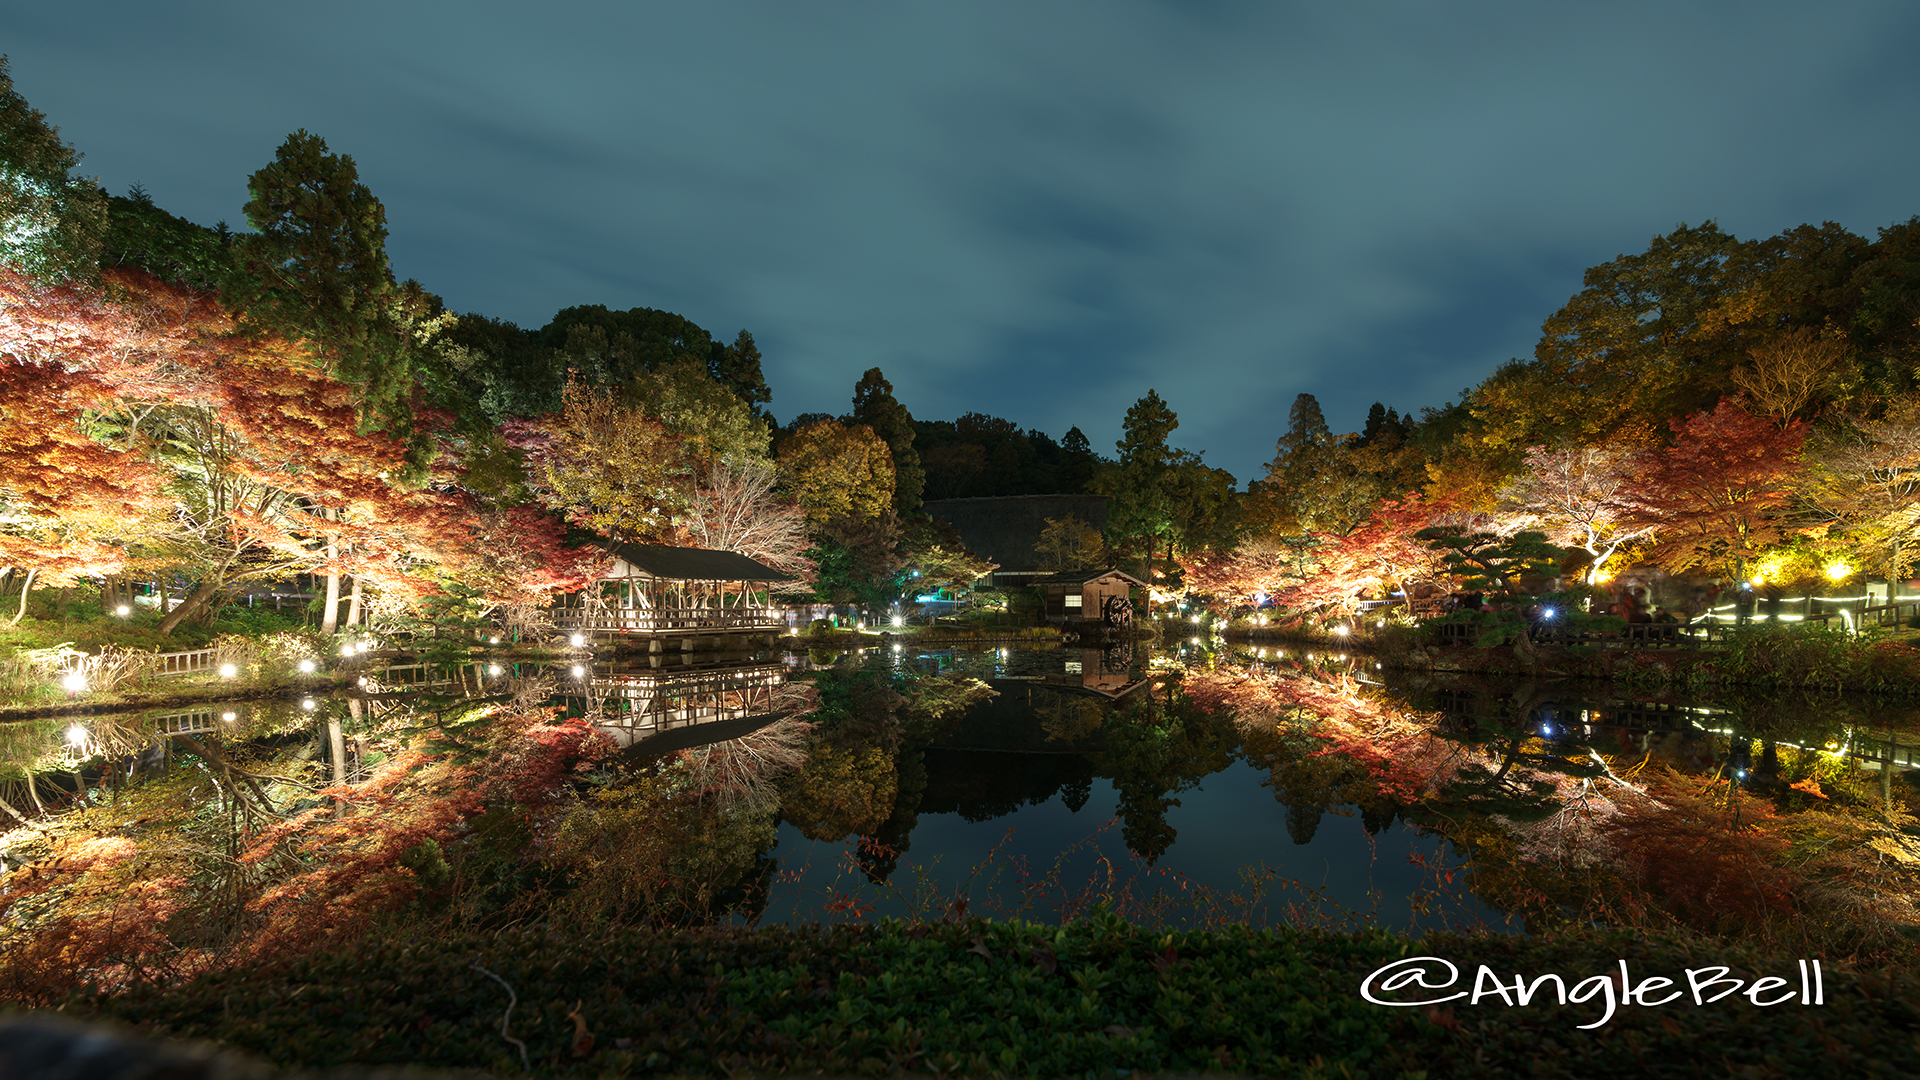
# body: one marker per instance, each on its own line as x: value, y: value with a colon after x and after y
x: 1883, y: 667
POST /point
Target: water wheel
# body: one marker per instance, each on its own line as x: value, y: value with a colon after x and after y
x: 1117, y: 613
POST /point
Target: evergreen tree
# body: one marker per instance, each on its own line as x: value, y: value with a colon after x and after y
x: 874, y: 406
x: 51, y: 221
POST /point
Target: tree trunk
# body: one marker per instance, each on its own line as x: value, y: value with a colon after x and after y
x: 330, y: 607
x: 330, y: 610
x: 337, y: 755
x: 25, y: 588
x: 353, y: 603
x: 207, y: 591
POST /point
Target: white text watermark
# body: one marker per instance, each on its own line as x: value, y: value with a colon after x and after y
x: 1422, y: 980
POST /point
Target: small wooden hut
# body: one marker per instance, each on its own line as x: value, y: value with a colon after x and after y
x: 1103, y: 597
x: 662, y: 592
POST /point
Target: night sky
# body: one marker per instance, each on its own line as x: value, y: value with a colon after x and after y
x: 1036, y: 211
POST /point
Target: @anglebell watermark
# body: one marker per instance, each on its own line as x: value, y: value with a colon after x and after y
x: 1420, y: 980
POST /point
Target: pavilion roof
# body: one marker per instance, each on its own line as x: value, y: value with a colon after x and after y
x: 694, y: 564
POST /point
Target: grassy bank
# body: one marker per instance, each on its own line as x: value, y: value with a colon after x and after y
x: 1098, y: 997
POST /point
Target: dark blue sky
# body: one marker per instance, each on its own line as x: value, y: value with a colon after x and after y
x: 1035, y: 211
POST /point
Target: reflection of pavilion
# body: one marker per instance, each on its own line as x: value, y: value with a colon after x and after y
x: 653, y: 709
x: 1107, y: 672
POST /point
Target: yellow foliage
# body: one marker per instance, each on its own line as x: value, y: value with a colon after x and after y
x: 838, y: 471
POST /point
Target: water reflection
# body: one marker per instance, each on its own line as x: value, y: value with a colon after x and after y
x: 1187, y: 785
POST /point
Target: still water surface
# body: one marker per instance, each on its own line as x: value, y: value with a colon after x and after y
x: 1107, y: 777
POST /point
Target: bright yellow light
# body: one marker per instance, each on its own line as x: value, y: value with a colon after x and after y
x: 74, y: 683
x: 228, y: 671
x: 123, y: 611
x: 76, y: 735
x: 1837, y: 571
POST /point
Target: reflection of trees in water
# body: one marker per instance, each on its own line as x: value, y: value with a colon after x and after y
x: 865, y: 774
x: 1754, y: 817
x: 1154, y: 750
x: 980, y: 785
x: 741, y: 773
x: 1071, y: 718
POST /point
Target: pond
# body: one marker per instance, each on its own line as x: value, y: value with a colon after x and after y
x: 1187, y: 787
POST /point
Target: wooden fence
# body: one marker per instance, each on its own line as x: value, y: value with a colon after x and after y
x: 690, y: 619
x: 185, y: 663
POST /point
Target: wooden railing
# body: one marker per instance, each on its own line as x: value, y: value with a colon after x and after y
x: 185, y: 663
x: 658, y: 620
x: 642, y: 703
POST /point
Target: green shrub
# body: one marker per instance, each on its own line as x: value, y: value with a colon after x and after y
x: 978, y: 998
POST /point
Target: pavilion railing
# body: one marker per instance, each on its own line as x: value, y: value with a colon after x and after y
x: 663, y: 619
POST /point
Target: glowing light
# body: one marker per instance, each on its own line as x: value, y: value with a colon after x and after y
x: 494, y: 639
x: 578, y: 671
x: 1756, y: 583
x: 228, y: 717
x: 1196, y: 618
x: 1741, y: 773
x: 1546, y: 729
x: 898, y: 621
x: 76, y: 735
x: 1838, y: 570
x: 306, y: 667
x: 123, y: 611
x: 74, y: 683
x: 1546, y: 613
x: 228, y: 671
x: 307, y: 704
x: 578, y: 640
x: 493, y: 669
x: 1341, y: 630
x: 346, y: 650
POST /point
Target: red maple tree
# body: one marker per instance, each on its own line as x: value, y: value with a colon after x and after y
x: 1714, y: 498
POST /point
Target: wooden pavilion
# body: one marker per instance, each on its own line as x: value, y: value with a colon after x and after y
x: 661, y: 593
x: 1091, y: 598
